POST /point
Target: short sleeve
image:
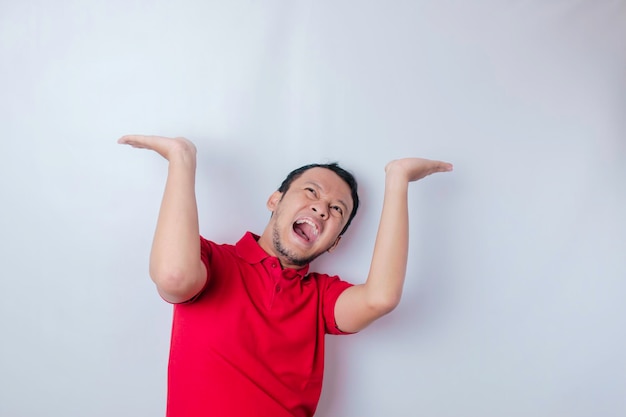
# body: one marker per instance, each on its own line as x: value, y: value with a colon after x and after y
x: 205, y: 255
x: 333, y: 287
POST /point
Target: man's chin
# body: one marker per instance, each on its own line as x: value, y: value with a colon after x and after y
x: 297, y: 254
x: 291, y: 258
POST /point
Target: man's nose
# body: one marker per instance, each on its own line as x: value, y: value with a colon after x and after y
x: 319, y: 209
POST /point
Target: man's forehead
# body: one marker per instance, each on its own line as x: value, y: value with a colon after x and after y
x: 324, y: 176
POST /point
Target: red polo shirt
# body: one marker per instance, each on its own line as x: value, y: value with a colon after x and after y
x: 252, y: 342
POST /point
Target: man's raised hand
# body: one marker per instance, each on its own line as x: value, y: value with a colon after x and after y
x: 166, y: 147
x: 413, y: 169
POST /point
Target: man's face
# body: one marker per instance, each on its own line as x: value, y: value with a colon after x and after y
x: 308, y: 218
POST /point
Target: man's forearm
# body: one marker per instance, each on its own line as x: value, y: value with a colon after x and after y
x: 361, y: 304
x: 175, y: 264
x: 388, y: 268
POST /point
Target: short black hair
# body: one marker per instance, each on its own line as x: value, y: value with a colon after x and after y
x: 342, y: 173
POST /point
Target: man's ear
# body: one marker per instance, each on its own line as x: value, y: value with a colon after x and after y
x: 334, y: 245
x: 273, y: 201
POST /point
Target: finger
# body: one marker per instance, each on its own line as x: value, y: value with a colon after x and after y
x: 440, y: 166
x: 127, y: 139
x: 445, y: 167
x: 136, y: 141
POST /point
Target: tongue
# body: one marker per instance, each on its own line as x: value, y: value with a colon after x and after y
x: 305, y: 230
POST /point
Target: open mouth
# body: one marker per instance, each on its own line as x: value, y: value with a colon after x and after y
x: 306, y: 230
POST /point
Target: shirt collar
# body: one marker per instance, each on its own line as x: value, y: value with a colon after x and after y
x: 250, y: 251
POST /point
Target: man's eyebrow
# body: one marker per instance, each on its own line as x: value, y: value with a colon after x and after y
x: 316, y: 185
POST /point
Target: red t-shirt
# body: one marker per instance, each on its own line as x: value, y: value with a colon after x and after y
x: 252, y: 342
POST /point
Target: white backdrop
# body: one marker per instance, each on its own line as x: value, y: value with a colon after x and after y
x: 514, y: 302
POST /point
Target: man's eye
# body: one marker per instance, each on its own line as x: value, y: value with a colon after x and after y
x: 310, y: 190
x: 337, y: 209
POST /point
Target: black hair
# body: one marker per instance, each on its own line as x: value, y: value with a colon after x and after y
x: 342, y: 173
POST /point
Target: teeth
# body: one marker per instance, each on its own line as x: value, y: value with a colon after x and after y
x: 310, y: 223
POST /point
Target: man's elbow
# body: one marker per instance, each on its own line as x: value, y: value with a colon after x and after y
x: 384, y: 304
x: 177, y: 286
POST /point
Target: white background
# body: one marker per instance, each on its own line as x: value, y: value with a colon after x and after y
x: 514, y: 301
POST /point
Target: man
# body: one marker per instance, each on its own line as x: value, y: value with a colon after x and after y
x: 249, y: 320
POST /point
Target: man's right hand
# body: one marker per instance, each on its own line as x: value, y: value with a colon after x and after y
x: 166, y: 147
x: 175, y: 261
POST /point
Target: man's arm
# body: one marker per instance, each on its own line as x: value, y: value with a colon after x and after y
x: 175, y: 265
x: 360, y: 305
